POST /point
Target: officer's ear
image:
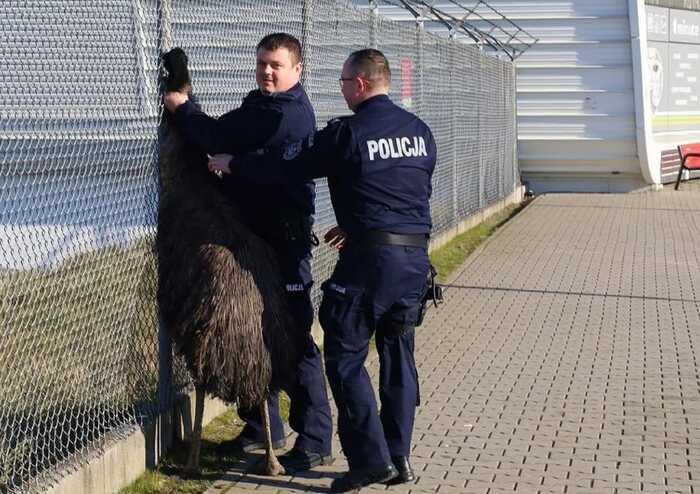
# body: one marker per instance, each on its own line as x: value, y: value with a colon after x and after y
x: 298, y: 68
x: 363, y: 84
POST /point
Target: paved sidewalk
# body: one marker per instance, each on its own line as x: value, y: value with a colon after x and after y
x: 564, y: 360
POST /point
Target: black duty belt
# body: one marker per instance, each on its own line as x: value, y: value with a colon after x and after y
x: 386, y: 238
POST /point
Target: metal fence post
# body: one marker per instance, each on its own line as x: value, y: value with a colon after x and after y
x: 514, y: 116
x: 307, y: 20
x: 482, y: 120
x: 502, y: 134
x: 419, y: 66
x: 146, y: 87
x: 373, y: 23
x: 165, y: 31
x: 165, y: 349
x: 453, y: 125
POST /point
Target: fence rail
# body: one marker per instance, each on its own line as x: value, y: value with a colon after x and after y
x: 79, y: 111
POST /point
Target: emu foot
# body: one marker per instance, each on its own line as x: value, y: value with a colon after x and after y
x: 191, y: 469
x: 269, y: 466
x: 190, y: 473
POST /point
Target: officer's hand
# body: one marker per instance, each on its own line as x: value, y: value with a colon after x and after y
x: 335, y: 237
x: 173, y: 99
x: 219, y: 163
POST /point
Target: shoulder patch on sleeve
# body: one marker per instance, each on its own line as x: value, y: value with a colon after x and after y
x: 337, y: 120
x: 292, y: 151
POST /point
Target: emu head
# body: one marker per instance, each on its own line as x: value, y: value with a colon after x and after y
x: 179, y: 159
x: 177, y: 75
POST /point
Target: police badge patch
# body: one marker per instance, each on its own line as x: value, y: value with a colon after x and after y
x: 292, y: 151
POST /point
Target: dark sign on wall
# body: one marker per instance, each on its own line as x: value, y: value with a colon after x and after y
x: 674, y: 63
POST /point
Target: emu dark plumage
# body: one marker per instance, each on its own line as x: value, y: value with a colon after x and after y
x: 220, y: 293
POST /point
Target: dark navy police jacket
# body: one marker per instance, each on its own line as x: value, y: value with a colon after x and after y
x: 379, y: 163
x: 261, y: 123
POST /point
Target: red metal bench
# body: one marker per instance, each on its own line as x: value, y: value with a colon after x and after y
x: 690, y: 159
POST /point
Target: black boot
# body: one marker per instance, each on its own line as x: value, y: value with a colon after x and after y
x: 296, y: 460
x: 405, y: 471
x: 355, y: 479
x: 243, y: 444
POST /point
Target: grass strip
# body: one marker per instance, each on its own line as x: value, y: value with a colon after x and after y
x: 452, y: 255
x: 165, y: 478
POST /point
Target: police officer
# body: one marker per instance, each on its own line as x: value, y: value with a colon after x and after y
x: 379, y: 163
x: 277, y: 114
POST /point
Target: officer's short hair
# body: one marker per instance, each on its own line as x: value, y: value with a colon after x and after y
x: 370, y: 64
x: 273, y: 41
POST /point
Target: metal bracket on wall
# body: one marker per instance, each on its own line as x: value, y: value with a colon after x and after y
x: 504, y: 37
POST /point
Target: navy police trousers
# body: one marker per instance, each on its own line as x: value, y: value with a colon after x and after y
x: 309, y: 413
x: 374, y: 290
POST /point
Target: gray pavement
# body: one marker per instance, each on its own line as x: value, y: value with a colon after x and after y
x: 564, y: 359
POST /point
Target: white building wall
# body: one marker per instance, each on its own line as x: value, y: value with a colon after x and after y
x: 576, y: 111
x: 576, y: 105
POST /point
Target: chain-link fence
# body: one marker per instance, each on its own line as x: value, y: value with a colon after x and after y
x: 79, y: 110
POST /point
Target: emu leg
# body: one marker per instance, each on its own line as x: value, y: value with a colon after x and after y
x: 271, y: 467
x: 196, y: 438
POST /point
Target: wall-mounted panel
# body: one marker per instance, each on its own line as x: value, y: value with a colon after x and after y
x: 674, y: 65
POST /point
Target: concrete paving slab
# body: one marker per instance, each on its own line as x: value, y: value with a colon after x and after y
x: 564, y: 359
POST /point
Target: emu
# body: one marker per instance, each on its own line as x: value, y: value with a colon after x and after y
x: 220, y: 291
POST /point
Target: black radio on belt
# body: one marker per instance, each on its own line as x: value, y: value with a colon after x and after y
x: 433, y: 294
